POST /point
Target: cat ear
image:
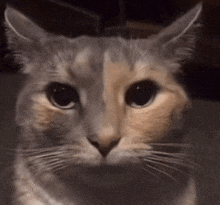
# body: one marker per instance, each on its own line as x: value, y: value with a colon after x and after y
x: 177, y: 41
x: 22, y: 26
x: 25, y: 38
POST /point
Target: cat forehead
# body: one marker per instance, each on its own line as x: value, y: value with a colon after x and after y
x: 94, y: 54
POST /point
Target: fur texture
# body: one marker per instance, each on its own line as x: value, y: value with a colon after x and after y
x: 107, y: 145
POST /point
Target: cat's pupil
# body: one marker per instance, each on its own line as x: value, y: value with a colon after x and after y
x: 141, y: 93
x: 62, y: 95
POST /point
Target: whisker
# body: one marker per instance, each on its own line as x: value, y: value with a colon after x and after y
x: 172, y: 144
x: 47, y: 155
x: 41, y: 149
x: 59, y: 167
x: 161, y: 171
x: 147, y: 170
x: 175, y: 155
x: 55, y: 160
x: 167, y: 159
x: 174, y: 161
x: 42, y: 154
x: 54, y: 163
x: 166, y: 165
x: 37, y: 151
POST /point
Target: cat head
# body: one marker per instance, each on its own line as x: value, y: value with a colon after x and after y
x: 101, y: 98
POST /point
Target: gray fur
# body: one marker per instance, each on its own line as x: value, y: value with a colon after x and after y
x: 47, y: 58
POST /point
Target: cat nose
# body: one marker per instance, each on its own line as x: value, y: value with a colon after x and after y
x: 103, y: 144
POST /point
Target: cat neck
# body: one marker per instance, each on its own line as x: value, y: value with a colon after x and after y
x: 47, y: 190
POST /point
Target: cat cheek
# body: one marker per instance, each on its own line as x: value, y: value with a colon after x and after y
x: 44, y: 117
x: 153, y: 125
x: 152, y: 130
x: 140, y: 126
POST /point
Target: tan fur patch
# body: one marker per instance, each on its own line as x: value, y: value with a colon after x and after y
x: 114, y: 75
x: 141, y: 125
x: 44, y: 112
x: 152, y: 123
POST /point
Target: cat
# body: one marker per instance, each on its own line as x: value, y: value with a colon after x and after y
x: 102, y: 119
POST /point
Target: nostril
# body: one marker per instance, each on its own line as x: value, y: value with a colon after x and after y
x: 94, y: 143
x: 104, y: 149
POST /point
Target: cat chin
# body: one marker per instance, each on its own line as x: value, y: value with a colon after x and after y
x: 105, y: 175
x: 107, y: 180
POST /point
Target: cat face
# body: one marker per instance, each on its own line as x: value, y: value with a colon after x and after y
x: 92, y: 102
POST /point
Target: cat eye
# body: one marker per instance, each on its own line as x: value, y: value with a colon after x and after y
x: 62, y: 96
x: 141, y: 94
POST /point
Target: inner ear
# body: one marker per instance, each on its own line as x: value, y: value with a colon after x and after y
x: 183, y: 26
x: 177, y: 42
x: 23, y: 26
